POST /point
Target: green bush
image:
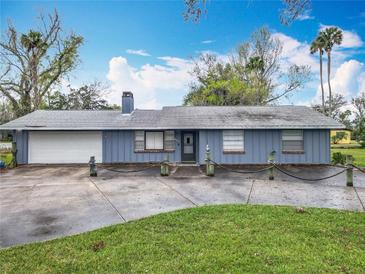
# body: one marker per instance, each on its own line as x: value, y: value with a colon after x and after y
x: 338, y: 158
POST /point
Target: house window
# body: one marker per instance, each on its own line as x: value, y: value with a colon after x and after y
x: 233, y: 141
x: 292, y: 141
x: 154, y: 140
x: 139, y: 140
x: 169, y: 142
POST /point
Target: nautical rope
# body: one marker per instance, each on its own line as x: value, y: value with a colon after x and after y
x: 359, y: 169
x: 307, y: 179
x: 241, y: 171
x: 131, y: 170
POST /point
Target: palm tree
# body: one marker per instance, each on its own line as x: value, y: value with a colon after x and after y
x: 318, y: 45
x: 331, y: 36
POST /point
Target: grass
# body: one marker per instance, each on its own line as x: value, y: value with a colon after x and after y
x: 357, y: 153
x: 233, y: 238
x: 7, y: 157
x: 353, y: 144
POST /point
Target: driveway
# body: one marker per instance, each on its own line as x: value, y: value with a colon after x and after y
x: 40, y: 203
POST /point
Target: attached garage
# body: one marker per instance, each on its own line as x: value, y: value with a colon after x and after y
x: 64, y: 147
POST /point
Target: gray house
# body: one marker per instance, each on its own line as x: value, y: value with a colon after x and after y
x: 235, y: 135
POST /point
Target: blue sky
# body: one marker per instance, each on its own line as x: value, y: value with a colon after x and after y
x: 146, y: 46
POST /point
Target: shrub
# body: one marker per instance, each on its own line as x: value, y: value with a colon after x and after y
x: 338, y: 158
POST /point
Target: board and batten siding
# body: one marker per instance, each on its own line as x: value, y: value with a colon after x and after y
x: 21, y: 139
x: 259, y: 143
x: 118, y: 147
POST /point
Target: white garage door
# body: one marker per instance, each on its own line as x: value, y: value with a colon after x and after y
x: 62, y: 147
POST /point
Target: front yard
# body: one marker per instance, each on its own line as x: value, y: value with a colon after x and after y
x: 233, y: 238
x: 358, y: 154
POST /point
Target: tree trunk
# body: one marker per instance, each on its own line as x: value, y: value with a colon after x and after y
x: 321, y: 75
x: 329, y: 81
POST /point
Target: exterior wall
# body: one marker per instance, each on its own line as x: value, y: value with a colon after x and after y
x: 21, y: 139
x: 118, y: 147
x: 259, y: 143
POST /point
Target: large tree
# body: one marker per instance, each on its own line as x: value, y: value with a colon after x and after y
x: 253, y: 75
x: 330, y: 36
x: 33, y: 63
x: 318, y: 46
x: 292, y: 9
x: 336, y: 105
x: 87, y: 97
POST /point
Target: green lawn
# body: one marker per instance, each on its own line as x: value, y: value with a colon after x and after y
x: 7, y: 157
x: 234, y: 238
x: 357, y: 153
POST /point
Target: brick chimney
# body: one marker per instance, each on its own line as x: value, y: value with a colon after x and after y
x: 127, y: 102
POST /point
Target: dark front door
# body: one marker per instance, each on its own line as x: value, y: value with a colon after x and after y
x: 188, y: 147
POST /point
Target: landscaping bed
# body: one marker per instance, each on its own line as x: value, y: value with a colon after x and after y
x: 231, y: 238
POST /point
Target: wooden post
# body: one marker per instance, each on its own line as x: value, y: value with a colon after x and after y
x: 14, y: 152
x: 271, y: 161
x: 93, y: 169
x: 349, y: 171
x: 165, y: 169
x: 209, y: 167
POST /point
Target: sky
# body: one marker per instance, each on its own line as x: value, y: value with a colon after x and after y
x: 146, y: 46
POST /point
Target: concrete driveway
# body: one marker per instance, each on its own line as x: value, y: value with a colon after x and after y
x: 40, y: 203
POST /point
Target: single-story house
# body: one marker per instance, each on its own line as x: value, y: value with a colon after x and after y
x: 235, y: 135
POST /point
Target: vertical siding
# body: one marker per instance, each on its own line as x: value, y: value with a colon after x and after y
x: 118, y: 147
x: 259, y: 143
x: 21, y: 139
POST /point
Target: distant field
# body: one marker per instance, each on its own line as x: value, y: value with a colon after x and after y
x: 357, y: 153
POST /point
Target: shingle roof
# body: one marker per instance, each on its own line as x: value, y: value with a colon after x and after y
x: 202, y: 117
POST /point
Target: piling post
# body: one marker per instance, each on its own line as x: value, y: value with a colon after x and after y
x: 349, y: 171
x: 271, y: 161
x: 92, y: 165
x: 209, y: 167
x: 165, y: 168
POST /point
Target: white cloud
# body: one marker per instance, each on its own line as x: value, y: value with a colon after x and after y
x: 305, y: 16
x: 207, y: 41
x: 149, y: 80
x: 350, y: 38
x: 348, y: 80
x: 296, y: 52
x: 140, y: 52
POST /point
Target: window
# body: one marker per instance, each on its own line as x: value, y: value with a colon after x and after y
x: 154, y: 140
x: 139, y: 141
x: 292, y: 141
x: 233, y: 141
x: 169, y: 142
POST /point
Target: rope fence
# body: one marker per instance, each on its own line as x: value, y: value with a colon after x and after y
x: 359, y: 169
x: 211, y: 164
x: 241, y: 171
x: 348, y: 168
x: 132, y: 170
x: 308, y: 179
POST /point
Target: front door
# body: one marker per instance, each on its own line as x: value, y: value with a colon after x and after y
x: 188, y: 148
